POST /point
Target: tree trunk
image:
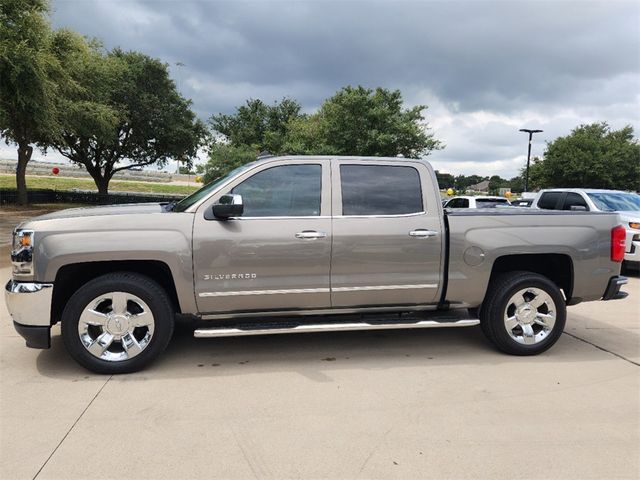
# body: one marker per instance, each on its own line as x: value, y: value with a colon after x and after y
x: 103, y: 185
x: 24, y: 155
x: 102, y: 182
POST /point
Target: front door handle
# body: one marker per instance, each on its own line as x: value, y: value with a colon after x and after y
x: 310, y: 235
x: 422, y: 233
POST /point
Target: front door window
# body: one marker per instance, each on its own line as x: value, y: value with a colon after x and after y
x: 283, y: 191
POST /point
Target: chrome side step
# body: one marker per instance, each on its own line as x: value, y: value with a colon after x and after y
x: 264, y: 329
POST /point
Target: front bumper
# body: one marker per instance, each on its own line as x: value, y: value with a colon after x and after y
x: 613, y: 288
x: 35, y: 337
x: 29, y: 304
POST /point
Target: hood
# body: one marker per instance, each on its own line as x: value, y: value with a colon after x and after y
x: 129, y: 208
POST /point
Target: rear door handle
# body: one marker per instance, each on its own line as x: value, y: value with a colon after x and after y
x: 310, y: 235
x: 422, y: 233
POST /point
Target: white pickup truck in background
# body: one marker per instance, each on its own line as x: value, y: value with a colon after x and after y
x: 626, y: 204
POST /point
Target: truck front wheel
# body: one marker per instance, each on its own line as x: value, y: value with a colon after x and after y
x: 117, y: 323
x: 523, y: 313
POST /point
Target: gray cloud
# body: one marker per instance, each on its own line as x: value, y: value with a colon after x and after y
x: 554, y: 63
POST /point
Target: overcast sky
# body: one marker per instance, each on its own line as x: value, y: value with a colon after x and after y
x: 485, y: 69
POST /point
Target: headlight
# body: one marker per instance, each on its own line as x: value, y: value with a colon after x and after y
x: 635, y: 225
x: 22, y: 239
x: 22, y: 252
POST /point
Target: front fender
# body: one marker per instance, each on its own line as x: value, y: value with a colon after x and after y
x: 171, y: 247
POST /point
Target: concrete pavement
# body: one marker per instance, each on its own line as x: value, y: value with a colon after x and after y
x: 393, y: 404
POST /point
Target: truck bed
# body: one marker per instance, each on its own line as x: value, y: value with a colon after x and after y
x: 477, y: 237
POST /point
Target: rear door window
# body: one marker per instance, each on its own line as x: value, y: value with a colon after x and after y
x: 574, y: 200
x: 380, y: 190
x: 549, y: 200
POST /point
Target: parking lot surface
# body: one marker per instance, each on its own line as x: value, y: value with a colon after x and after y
x: 393, y: 404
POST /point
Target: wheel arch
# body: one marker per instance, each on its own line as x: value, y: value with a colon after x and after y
x: 70, y: 278
x: 555, y: 266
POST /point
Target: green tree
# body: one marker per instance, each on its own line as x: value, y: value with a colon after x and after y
x: 516, y: 184
x: 257, y: 125
x: 362, y: 121
x: 355, y: 121
x: 445, y: 180
x: 28, y: 81
x: 223, y: 158
x: 462, y: 182
x: 496, y: 182
x: 591, y: 156
x: 306, y: 136
x: 127, y: 109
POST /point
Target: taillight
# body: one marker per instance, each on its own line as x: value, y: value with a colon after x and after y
x: 618, y: 236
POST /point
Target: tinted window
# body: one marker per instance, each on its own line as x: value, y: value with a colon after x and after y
x: 380, y: 190
x: 285, y: 191
x: 549, y: 200
x: 198, y: 195
x: 574, y: 199
x: 458, y: 203
x: 491, y: 202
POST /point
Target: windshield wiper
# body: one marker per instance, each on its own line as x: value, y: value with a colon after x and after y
x: 170, y: 206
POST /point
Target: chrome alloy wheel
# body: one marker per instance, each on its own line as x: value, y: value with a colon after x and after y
x: 116, y: 326
x: 530, y: 316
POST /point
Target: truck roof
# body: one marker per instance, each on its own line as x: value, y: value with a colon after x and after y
x: 337, y: 157
x: 578, y: 190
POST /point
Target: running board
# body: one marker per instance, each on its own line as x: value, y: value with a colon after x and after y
x: 264, y: 329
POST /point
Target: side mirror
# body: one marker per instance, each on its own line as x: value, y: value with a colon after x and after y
x: 228, y: 206
x: 578, y: 208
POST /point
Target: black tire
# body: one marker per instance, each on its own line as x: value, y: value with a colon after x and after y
x: 630, y: 268
x: 497, y: 305
x: 140, y: 286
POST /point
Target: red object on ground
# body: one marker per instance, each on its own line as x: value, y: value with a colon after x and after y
x: 55, y: 170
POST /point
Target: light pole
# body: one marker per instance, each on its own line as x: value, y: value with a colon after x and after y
x: 526, y: 178
x: 178, y: 84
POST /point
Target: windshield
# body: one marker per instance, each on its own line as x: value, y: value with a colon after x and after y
x: 616, y: 202
x: 198, y: 195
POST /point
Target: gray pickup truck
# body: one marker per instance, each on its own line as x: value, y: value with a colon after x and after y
x: 304, y: 244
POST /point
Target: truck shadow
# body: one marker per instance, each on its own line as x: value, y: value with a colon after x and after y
x: 314, y: 356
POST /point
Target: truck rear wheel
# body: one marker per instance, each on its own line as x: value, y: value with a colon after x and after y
x: 523, y: 313
x: 117, y: 323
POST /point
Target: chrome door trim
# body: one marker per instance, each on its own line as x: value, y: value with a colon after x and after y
x: 264, y: 292
x: 384, y: 287
x: 399, y: 215
x: 315, y: 290
x: 305, y: 217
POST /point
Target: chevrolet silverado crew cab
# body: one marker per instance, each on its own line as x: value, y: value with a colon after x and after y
x: 304, y: 244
